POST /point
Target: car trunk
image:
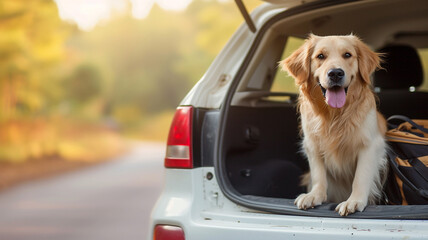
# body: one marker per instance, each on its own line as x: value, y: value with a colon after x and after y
x: 262, y: 153
x: 259, y: 164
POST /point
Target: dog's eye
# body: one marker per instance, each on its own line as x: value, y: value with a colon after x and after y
x: 321, y: 56
x: 347, y: 55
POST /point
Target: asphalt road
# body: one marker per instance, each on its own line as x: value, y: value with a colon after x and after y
x: 108, y: 201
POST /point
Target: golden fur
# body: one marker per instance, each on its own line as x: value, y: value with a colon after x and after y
x: 345, y: 144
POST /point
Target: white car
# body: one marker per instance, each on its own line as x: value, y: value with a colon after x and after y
x: 233, y: 164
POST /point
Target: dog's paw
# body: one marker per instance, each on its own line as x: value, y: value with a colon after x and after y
x: 309, y: 200
x: 350, y: 206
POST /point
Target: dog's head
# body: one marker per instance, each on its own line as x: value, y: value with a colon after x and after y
x: 334, y: 63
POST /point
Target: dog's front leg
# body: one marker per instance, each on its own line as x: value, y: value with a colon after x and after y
x: 365, y: 179
x: 318, y: 192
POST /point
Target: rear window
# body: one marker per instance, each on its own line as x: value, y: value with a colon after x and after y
x: 285, y: 83
x: 423, y: 53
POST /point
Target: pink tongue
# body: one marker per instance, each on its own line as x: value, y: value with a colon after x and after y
x: 336, y: 97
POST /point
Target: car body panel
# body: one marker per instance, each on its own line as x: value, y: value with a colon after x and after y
x: 191, y: 201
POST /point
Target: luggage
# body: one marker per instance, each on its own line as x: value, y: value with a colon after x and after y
x: 407, y: 182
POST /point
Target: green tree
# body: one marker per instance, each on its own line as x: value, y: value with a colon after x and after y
x: 31, y: 43
x: 84, y: 84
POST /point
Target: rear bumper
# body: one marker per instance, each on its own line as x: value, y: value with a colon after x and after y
x: 196, y: 204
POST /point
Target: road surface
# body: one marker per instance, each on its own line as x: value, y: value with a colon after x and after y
x: 112, y: 200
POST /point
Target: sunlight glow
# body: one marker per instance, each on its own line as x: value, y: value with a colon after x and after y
x: 173, y: 5
x: 141, y: 8
x: 87, y: 14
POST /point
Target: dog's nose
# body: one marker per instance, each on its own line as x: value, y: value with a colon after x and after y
x: 336, y: 74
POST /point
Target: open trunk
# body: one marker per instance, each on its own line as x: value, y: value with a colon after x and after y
x: 259, y: 164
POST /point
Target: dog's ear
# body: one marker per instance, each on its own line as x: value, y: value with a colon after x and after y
x: 368, y: 61
x: 298, y: 64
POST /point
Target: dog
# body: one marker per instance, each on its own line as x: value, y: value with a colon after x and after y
x: 342, y: 131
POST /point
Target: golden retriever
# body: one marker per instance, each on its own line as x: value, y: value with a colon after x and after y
x: 343, y: 134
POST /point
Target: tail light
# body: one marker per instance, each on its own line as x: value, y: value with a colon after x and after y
x: 166, y: 232
x: 179, y: 145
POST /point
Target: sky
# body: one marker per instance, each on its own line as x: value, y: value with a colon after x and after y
x: 87, y: 14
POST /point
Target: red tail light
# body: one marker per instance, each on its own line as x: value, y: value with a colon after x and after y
x: 179, y: 145
x: 165, y: 232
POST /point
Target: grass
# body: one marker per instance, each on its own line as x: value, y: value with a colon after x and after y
x: 152, y: 128
x: 32, y: 139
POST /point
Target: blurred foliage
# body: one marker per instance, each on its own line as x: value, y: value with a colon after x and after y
x: 57, y: 137
x: 31, y: 45
x: 67, y: 93
x: 84, y: 84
